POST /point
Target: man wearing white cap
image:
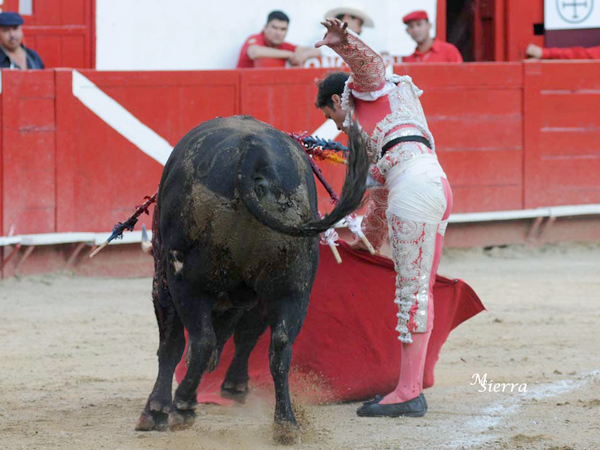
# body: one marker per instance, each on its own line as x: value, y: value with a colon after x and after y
x: 354, y: 16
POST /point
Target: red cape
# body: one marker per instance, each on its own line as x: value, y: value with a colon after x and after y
x: 348, y: 348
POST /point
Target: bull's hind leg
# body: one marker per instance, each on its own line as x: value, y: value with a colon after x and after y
x: 170, y: 350
x: 195, y: 312
x: 286, y: 317
x: 224, y: 324
x: 248, y: 330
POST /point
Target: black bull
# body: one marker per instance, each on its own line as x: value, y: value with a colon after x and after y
x: 236, y: 250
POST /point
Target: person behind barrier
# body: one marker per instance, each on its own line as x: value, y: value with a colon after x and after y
x: 13, y: 54
x: 536, y: 52
x: 428, y: 49
x: 355, y: 17
x: 410, y: 197
x: 269, y: 49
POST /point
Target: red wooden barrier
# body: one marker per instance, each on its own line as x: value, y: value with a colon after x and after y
x: 28, y: 151
x: 1, y: 166
x: 475, y: 114
x: 563, y: 100
x: 509, y: 136
x: 101, y: 175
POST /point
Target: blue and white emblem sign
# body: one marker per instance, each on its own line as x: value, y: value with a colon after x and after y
x: 571, y: 14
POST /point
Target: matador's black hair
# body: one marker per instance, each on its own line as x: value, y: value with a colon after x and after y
x: 332, y: 84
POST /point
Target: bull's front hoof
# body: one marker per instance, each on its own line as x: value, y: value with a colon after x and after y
x: 152, y: 420
x: 286, y: 433
x: 181, y: 419
x: 237, y: 393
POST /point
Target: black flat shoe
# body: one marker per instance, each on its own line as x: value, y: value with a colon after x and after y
x: 423, y: 400
x: 417, y: 407
x: 377, y: 399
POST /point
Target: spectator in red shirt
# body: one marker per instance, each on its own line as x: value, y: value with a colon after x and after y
x: 428, y: 49
x: 536, y: 52
x: 268, y: 48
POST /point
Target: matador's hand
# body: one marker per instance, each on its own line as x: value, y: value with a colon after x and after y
x: 336, y: 32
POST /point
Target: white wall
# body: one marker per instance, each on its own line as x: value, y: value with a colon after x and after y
x: 208, y: 34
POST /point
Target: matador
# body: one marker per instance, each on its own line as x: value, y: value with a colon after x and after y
x: 410, y: 197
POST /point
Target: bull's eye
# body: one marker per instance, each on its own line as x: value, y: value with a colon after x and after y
x: 261, y: 185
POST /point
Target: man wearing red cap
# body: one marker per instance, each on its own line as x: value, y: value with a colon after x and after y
x: 428, y: 49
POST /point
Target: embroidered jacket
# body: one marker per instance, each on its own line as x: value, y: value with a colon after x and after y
x: 385, y: 108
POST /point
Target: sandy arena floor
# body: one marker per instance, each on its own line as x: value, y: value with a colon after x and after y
x: 77, y: 362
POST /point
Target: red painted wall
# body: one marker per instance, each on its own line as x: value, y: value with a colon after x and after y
x: 1, y: 163
x: 28, y: 151
x: 475, y: 114
x: 509, y: 136
x: 520, y: 17
x: 563, y: 133
x: 502, y: 28
x: 105, y: 175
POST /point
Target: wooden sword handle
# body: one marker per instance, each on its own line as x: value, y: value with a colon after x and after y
x: 336, y: 254
x: 368, y: 244
x: 95, y: 252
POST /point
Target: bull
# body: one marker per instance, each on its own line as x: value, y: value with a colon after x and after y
x: 236, y: 251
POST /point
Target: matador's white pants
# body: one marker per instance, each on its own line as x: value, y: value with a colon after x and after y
x: 419, y: 204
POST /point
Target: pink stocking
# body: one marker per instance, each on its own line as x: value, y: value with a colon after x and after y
x: 412, y: 363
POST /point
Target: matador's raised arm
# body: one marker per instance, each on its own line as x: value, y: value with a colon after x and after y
x: 367, y: 66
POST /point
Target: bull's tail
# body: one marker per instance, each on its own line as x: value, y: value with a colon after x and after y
x: 352, y: 193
